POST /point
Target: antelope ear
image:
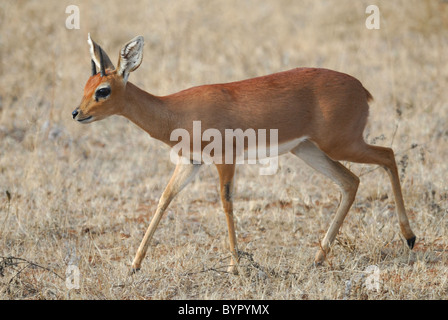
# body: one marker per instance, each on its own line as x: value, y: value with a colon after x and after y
x: 131, y: 56
x: 98, y: 55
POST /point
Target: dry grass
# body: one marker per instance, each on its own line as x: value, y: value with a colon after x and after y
x: 84, y: 195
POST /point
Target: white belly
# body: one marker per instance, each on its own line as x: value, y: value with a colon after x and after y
x: 272, y: 150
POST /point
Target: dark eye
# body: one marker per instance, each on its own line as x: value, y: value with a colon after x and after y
x: 102, y: 93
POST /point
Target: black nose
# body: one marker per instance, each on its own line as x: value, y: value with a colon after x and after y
x: 74, y: 114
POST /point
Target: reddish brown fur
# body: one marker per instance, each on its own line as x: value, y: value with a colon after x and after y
x: 301, y: 102
x: 91, y: 85
x: 323, y: 109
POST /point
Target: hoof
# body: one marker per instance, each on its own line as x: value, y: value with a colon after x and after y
x: 411, y: 242
x: 232, y: 270
x: 133, y: 271
x: 319, y: 258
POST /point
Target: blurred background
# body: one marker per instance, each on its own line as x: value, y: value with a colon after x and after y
x: 63, y: 185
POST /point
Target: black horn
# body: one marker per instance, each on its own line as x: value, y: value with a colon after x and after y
x: 93, y: 68
x: 102, y: 69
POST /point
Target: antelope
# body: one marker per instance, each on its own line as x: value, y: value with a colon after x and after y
x: 320, y: 115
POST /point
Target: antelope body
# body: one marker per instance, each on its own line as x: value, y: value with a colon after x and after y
x: 320, y: 116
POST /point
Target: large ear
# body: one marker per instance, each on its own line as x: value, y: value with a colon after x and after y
x: 99, y: 56
x: 131, y: 56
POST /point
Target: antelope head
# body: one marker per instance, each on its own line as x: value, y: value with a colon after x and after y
x: 104, y: 92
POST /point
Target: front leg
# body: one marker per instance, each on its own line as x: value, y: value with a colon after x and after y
x: 182, y: 175
x: 226, y: 175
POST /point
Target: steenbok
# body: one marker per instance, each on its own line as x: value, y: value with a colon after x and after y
x: 318, y: 114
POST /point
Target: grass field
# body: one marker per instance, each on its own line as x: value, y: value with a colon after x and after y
x: 83, y: 196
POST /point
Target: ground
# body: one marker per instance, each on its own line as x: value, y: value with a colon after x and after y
x: 79, y: 198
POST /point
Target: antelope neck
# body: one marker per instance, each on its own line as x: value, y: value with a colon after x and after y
x: 149, y: 112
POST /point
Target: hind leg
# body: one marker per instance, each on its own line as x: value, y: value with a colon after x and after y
x: 385, y: 157
x: 344, y: 178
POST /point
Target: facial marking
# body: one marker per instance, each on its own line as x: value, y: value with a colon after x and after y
x: 92, y: 84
